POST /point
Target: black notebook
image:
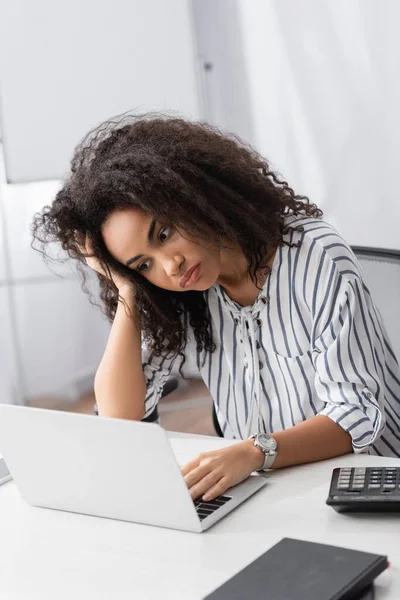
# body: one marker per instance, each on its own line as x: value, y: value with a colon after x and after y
x: 299, y: 570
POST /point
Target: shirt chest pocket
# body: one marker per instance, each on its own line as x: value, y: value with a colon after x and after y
x: 297, y: 365
x: 302, y: 362
x: 290, y: 350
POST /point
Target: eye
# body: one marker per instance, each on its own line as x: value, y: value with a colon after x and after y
x: 164, y: 234
x: 144, y: 266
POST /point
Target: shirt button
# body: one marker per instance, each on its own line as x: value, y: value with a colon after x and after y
x: 247, y: 324
x: 259, y: 322
x: 241, y: 341
x: 263, y: 299
x: 236, y: 321
x: 260, y: 365
x: 258, y: 345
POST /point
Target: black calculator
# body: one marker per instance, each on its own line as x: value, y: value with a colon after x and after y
x: 365, y: 489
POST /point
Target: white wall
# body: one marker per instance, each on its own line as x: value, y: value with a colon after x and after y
x: 325, y: 95
x: 51, y: 338
x: 314, y: 86
x: 67, y: 66
x: 225, y: 73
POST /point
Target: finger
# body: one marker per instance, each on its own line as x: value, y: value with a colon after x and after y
x: 88, y: 245
x: 192, y: 464
x: 197, y: 474
x: 216, y: 490
x: 205, y: 484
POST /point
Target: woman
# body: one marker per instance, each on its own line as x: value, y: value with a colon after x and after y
x: 200, y: 248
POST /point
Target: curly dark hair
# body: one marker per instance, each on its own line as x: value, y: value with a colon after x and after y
x: 188, y: 175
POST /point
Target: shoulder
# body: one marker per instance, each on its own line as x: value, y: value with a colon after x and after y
x: 317, y: 240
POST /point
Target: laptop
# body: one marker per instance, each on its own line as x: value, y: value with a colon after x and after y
x: 4, y: 472
x: 106, y: 467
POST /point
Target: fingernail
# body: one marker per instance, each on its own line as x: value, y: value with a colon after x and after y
x: 206, y: 497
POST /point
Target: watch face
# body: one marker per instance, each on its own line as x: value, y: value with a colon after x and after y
x: 266, y: 441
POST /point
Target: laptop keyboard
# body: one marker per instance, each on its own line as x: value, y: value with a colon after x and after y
x: 204, y: 509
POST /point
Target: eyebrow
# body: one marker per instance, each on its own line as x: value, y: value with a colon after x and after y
x: 150, y: 236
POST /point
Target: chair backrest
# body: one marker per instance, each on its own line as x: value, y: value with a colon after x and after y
x: 382, y: 272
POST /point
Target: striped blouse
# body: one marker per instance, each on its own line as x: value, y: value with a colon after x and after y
x: 313, y: 343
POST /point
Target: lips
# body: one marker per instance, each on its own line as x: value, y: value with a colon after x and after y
x: 187, y: 275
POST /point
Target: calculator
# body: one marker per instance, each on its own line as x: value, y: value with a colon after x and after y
x: 365, y: 489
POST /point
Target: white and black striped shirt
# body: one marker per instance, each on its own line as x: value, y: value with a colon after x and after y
x: 312, y: 344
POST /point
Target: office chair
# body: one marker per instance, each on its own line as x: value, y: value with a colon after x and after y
x: 382, y: 275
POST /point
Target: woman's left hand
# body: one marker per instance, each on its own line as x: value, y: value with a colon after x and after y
x: 210, y: 474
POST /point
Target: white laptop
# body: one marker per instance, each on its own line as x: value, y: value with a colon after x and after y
x: 107, y: 468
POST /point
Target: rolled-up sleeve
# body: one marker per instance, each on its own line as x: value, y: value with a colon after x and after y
x: 349, y: 376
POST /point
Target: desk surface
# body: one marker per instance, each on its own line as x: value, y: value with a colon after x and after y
x: 47, y: 555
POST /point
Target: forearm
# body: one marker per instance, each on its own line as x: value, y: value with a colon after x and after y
x: 316, y: 439
x: 210, y: 474
x: 120, y: 386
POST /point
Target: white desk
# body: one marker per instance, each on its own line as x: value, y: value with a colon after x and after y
x: 51, y: 555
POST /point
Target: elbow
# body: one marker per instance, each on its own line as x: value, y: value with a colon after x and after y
x: 130, y: 406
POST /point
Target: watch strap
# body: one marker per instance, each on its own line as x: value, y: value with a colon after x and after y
x: 269, y: 455
x: 269, y: 461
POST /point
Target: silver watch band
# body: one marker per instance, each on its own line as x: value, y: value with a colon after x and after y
x: 269, y: 453
x: 269, y: 461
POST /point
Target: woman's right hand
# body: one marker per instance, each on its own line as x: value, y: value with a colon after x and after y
x: 123, y: 286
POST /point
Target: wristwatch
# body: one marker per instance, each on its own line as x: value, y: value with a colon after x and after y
x: 267, y: 444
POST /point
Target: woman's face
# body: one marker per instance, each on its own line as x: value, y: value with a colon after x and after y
x: 159, y: 253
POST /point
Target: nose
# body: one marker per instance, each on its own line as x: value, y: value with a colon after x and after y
x: 172, y: 264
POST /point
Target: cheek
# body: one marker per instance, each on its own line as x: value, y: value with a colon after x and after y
x: 213, y: 261
x: 210, y: 272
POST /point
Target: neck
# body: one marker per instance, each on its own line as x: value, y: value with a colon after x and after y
x: 234, y: 272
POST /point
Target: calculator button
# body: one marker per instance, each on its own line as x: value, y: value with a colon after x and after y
x: 343, y: 486
x: 357, y: 486
x: 374, y: 486
x: 389, y: 486
x: 360, y: 471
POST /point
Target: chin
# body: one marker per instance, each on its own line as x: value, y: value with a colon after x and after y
x: 205, y: 284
